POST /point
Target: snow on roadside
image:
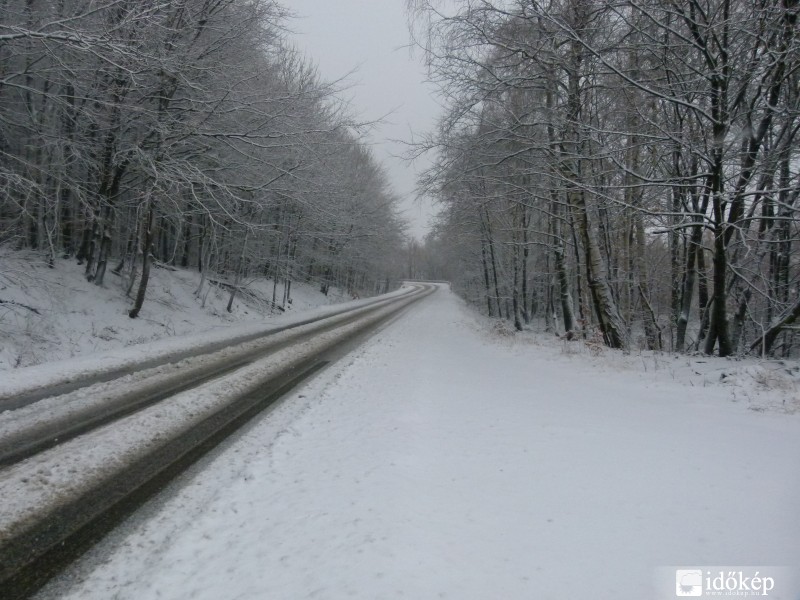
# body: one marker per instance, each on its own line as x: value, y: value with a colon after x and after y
x: 201, y: 329
x: 72, y: 318
x: 441, y: 462
x: 41, y: 483
x: 18, y: 424
x: 25, y: 379
x: 760, y: 385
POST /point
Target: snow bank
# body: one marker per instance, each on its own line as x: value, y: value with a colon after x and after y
x: 38, y: 485
x: 67, y: 313
x: 54, y: 314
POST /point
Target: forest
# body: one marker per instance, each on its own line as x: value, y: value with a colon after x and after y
x: 625, y: 171
x: 620, y: 171
x: 139, y: 134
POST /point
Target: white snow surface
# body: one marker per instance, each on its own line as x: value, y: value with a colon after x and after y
x: 177, y: 324
x: 19, y: 423
x: 75, y: 320
x: 445, y: 460
x: 41, y: 483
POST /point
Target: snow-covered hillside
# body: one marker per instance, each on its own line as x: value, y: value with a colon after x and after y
x: 53, y: 314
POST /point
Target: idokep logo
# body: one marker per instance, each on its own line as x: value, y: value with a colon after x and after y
x: 689, y: 582
x: 701, y: 583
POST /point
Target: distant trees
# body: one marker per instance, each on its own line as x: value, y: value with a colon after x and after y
x: 629, y: 167
x: 183, y: 132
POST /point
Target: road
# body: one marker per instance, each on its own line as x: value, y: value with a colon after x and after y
x: 76, y: 463
x: 446, y: 459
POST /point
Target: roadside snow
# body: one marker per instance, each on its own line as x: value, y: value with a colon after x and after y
x: 18, y: 425
x: 441, y: 461
x: 200, y: 328
x: 760, y: 385
x: 41, y: 483
x: 54, y: 314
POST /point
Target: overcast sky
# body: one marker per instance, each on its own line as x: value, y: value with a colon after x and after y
x: 370, y: 37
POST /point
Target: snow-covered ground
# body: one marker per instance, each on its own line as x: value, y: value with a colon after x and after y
x: 72, y: 317
x: 42, y: 483
x: 444, y: 459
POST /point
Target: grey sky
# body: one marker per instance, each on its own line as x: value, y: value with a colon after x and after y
x: 370, y: 36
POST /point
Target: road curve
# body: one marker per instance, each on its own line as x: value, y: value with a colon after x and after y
x: 65, y: 495
x: 35, y: 425
x: 22, y: 388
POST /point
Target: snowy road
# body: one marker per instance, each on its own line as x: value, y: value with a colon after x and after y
x: 76, y: 459
x: 441, y: 461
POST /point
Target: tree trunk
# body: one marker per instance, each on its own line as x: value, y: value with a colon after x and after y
x: 652, y: 331
x: 493, y: 263
x: 147, y: 253
x: 718, y: 324
x: 515, y: 290
x: 703, y: 296
x: 102, y: 257
x: 765, y: 342
x: 486, y: 286
x: 566, y: 298
x: 689, y: 278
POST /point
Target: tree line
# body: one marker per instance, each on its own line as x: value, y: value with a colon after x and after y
x: 136, y: 133
x: 624, y: 169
